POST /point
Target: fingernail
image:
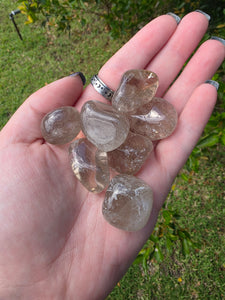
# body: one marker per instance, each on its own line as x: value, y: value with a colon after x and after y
x: 81, y: 76
x: 205, y: 14
x: 218, y: 39
x: 213, y: 83
x: 177, y: 19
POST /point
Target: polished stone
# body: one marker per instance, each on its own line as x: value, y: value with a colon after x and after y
x: 103, y: 125
x: 89, y: 164
x: 128, y: 203
x: 157, y: 119
x: 137, y: 87
x: 61, y: 125
x: 131, y: 155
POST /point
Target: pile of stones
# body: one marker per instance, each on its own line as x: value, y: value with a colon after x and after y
x: 117, y: 137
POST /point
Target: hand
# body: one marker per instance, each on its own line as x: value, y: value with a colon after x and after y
x: 55, y: 243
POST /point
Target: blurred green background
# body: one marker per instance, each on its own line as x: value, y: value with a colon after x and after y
x: 80, y: 36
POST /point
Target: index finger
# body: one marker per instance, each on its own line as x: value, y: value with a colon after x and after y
x: 135, y: 54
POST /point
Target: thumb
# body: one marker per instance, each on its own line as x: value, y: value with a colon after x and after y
x: 24, y: 125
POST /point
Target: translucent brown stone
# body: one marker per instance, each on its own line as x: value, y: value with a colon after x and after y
x: 118, y: 136
x: 61, y: 125
x: 131, y: 155
x: 105, y: 127
x: 128, y: 203
x: 137, y: 88
x: 157, y: 119
x: 90, y: 165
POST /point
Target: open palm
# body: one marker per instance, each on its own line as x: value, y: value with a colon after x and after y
x: 55, y: 243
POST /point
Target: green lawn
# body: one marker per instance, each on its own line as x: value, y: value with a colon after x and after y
x: 41, y: 58
x: 201, y: 274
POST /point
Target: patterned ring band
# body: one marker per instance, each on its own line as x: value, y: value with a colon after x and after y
x: 101, y: 87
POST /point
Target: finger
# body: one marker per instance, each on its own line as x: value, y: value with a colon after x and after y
x: 138, y: 52
x: 170, y: 154
x: 135, y: 54
x: 169, y: 61
x: 24, y: 126
x: 192, y: 121
x: 201, y: 67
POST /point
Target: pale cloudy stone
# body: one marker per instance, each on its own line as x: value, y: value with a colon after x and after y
x: 109, y: 143
x: 105, y: 127
x: 61, y: 125
x: 131, y: 155
x: 137, y: 87
x: 90, y: 165
x: 128, y: 203
x: 157, y: 119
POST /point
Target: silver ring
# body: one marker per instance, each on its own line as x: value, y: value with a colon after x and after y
x: 101, y: 87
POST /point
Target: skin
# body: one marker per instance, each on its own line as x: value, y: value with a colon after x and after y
x: 55, y: 243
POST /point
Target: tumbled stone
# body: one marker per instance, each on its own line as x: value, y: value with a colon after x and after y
x: 137, y: 87
x: 89, y: 164
x: 131, y: 155
x: 105, y: 127
x: 157, y: 119
x: 61, y: 125
x: 128, y: 203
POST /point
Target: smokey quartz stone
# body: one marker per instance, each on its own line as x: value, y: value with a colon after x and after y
x: 103, y: 125
x: 137, y: 87
x: 61, y: 125
x: 131, y: 155
x: 89, y: 164
x: 128, y: 203
x: 156, y: 119
x: 117, y: 136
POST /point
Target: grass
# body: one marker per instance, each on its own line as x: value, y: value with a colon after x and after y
x: 41, y: 58
x: 200, y: 275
